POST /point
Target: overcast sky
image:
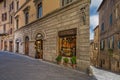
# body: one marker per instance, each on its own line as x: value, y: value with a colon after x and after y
x: 94, y: 15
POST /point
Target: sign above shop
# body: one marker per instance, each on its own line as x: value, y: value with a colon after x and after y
x: 68, y: 32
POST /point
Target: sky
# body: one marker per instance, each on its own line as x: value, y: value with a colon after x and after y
x: 94, y: 16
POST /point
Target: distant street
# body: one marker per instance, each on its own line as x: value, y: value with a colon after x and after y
x: 19, y: 67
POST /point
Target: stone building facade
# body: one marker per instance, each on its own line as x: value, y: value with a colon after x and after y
x: 46, y: 28
x: 6, y: 25
x: 63, y: 30
x: 109, y: 18
x: 95, y: 48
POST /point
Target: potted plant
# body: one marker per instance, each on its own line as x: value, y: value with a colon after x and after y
x: 58, y: 59
x: 73, y: 61
x: 66, y: 60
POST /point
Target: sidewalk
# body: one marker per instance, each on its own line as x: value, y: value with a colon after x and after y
x: 104, y: 75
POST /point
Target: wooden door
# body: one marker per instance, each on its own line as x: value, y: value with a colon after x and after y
x: 10, y: 46
x: 17, y: 47
x: 27, y: 46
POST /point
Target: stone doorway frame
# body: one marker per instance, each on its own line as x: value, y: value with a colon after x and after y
x: 39, y: 46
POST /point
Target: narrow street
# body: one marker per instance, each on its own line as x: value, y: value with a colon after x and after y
x: 19, y: 67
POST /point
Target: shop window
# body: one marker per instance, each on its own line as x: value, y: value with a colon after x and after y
x: 67, y: 43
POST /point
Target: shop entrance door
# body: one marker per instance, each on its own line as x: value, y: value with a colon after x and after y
x: 39, y: 49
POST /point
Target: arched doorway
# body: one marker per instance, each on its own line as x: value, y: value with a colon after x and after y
x: 18, y: 40
x: 26, y: 45
x: 5, y: 45
x: 10, y: 46
x: 39, y: 46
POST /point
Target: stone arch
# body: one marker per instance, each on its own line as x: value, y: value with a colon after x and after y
x: 39, y: 32
x: 39, y: 37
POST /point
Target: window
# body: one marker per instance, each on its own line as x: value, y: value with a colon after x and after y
x: 95, y: 33
x: 17, y: 5
x: 111, y: 42
x: 4, y: 3
x: 67, y: 42
x: 103, y: 61
x: 10, y: 30
x: 26, y: 17
x: 4, y: 16
x: 118, y: 44
x: 118, y: 64
x: 12, y: 5
x: 116, y: 12
x: 95, y: 46
x: 64, y: 2
x: 17, y: 23
x: 4, y: 28
x: 11, y: 19
x: 111, y: 19
x: 108, y: 43
x: 102, y: 27
x: 27, y: 0
x: 40, y: 10
x: 102, y: 44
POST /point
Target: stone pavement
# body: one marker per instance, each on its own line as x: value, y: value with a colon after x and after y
x: 100, y: 74
x: 20, y: 67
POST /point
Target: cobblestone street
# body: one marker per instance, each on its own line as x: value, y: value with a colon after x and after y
x: 19, y: 67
